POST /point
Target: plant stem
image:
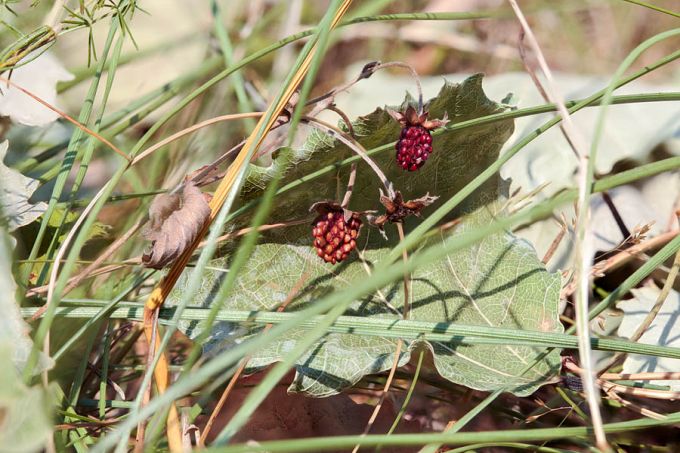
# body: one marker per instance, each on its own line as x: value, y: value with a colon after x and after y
x: 414, y: 75
x: 77, y: 136
x: 661, y: 298
x: 355, y: 146
x: 404, y: 440
x: 376, y: 327
x: 350, y: 187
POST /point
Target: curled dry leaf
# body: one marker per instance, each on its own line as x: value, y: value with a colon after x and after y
x: 396, y: 209
x: 174, y: 223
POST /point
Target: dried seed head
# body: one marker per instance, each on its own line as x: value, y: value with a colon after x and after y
x: 396, y: 209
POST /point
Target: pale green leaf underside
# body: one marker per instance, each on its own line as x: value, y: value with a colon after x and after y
x: 498, y: 282
x: 664, y: 331
x: 15, y: 191
x: 14, y: 331
x: 24, y: 423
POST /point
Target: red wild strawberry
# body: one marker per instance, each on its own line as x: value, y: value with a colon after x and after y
x: 335, y: 231
x: 415, y: 143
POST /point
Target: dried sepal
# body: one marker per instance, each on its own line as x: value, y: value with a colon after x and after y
x: 410, y: 117
x: 324, y: 207
x: 174, y: 224
x: 396, y: 209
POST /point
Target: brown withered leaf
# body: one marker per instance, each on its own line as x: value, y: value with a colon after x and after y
x: 174, y: 223
x: 396, y: 209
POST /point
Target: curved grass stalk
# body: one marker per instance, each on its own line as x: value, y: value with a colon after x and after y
x: 177, y: 135
x: 171, y: 89
x: 68, y: 118
x: 400, y: 343
x: 584, y: 244
x: 305, y: 85
x: 653, y: 312
x: 409, y: 393
x: 238, y: 83
x: 653, y: 7
x: 467, y: 438
x: 373, y: 327
x: 510, y: 445
x: 114, y: 123
x: 519, y: 113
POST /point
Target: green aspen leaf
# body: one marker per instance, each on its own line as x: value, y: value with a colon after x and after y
x: 497, y: 282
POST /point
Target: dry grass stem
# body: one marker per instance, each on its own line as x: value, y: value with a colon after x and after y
x: 68, y: 118
x: 583, y: 241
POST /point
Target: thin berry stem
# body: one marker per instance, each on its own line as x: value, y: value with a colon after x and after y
x: 352, y: 144
x: 625, y: 232
x: 414, y: 74
x: 366, y: 72
x: 407, y: 276
x: 345, y: 118
x: 350, y: 186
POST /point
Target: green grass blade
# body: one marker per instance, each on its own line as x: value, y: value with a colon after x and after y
x: 238, y: 83
x: 76, y: 138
